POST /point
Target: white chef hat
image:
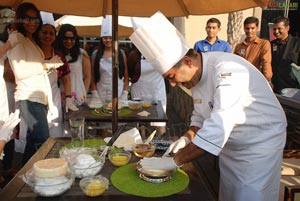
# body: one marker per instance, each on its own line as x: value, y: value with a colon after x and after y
x: 47, y: 18
x: 106, y: 26
x: 159, y: 41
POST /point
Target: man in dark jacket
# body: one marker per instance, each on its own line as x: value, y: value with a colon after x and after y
x: 285, y: 51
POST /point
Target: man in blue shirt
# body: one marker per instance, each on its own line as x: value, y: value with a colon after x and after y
x: 212, y: 43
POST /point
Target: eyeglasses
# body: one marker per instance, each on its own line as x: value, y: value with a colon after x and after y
x: 69, y: 38
x: 31, y: 19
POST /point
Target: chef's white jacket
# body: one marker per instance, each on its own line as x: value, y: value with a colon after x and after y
x: 242, y: 121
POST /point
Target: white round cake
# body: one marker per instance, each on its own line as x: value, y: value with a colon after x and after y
x: 50, y: 168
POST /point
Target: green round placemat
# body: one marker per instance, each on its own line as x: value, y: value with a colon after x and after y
x: 90, y: 143
x: 123, y: 112
x: 127, y: 180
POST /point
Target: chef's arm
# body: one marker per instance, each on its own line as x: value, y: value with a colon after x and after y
x: 191, y: 132
x: 187, y: 154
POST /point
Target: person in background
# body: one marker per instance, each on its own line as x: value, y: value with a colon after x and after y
x: 6, y: 129
x: 212, y: 43
x: 236, y: 114
x: 134, y: 64
x: 102, y: 67
x: 256, y: 50
x: 150, y: 85
x: 46, y: 38
x: 33, y: 93
x: 7, y: 102
x: 8, y: 73
x: 79, y: 62
x: 285, y: 51
x: 102, y: 72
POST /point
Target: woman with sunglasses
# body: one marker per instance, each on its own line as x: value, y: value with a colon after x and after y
x: 68, y: 43
x: 33, y: 93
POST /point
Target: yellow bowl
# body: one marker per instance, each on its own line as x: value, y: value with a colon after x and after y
x: 146, y: 104
x: 119, y: 158
x: 94, y: 186
x: 143, y: 150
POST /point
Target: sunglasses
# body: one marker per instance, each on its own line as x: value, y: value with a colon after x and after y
x: 69, y: 38
x: 31, y: 19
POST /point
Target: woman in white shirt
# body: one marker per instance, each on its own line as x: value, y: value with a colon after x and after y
x: 33, y: 94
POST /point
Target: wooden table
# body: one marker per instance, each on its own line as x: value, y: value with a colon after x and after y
x: 16, y: 189
x: 156, y: 111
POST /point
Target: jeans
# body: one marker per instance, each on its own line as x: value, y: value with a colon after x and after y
x: 35, y: 116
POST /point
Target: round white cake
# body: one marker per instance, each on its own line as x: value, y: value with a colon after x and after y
x: 50, y: 168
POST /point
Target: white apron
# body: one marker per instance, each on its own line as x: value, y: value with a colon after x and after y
x: 150, y: 85
x: 76, y: 77
x: 104, y: 86
x: 55, y: 124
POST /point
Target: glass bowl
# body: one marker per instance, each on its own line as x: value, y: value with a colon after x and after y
x: 135, y: 105
x: 146, y: 103
x: 94, y: 186
x: 89, y: 170
x: 155, y: 173
x: 49, y: 187
x: 119, y: 157
x: 143, y: 150
x: 84, y: 161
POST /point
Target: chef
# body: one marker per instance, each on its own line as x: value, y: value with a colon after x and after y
x: 236, y: 115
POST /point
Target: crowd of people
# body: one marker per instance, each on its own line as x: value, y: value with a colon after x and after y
x: 51, y: 74
x: 48, y: 73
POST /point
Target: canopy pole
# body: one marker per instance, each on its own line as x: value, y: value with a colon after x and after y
x: 115, y: 66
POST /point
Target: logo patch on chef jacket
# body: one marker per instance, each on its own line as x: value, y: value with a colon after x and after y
x: 226, y: 74
x: 274, y: 48
x: 225, y: 79
x: 197, y: 101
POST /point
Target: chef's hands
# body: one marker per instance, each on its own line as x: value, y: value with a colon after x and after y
x: 177, y: 145
x: 124, y: 96
x: 54, y: 63
x: 8, y: 125
x: 70, y: 105
x: 156, y: 163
